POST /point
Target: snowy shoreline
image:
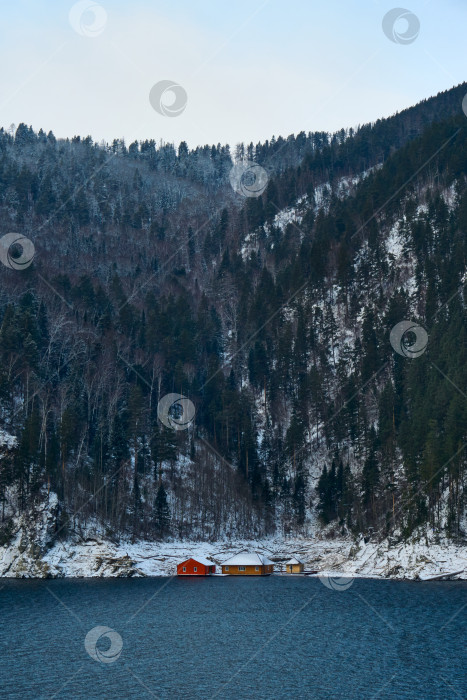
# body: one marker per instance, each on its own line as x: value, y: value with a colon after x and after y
x: 412, y: 560
x: 34, y: 551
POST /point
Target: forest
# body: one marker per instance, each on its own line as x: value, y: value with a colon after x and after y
x: 271, y: 314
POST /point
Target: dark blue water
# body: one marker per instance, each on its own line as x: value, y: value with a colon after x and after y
x: 270, y: 637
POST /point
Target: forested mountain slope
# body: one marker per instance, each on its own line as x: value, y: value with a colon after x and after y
x: 271, y: 314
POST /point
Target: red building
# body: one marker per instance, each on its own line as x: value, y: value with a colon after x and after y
x: 198, y: 566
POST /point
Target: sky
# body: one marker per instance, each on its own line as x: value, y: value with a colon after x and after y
x: 248, y: 70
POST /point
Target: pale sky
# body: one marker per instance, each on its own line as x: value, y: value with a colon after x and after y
x: 250, y: 69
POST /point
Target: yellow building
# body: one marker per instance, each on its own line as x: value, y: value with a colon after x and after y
x: 294, y: 566
x: 248, y: 564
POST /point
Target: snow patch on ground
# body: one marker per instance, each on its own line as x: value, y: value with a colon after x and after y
x: 7, y: 440
x: 290, y: 215
x: 394, y: 242
x: 450, y: 196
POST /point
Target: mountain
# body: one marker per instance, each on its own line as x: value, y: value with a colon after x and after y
x: 312, y: 410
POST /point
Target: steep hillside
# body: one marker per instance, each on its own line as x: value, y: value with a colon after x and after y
x: 309, y: 408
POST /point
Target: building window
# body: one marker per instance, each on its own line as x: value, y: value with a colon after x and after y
x: 256, y: 568
x: 184, y: 568
x: 226, y: 568
x: 195, y: 569
x: 241, y: 568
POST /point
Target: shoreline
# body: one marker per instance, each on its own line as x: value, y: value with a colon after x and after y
x: 414, y: 560
x: 4, y: 579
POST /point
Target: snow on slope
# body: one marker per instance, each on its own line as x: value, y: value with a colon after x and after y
x: 34, y: 552
x: 410, y: 560
x: 7, y: 440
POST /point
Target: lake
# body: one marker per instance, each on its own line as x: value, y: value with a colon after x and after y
x: 232, y: 637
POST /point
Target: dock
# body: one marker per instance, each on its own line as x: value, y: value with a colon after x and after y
x: 446, y: 576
